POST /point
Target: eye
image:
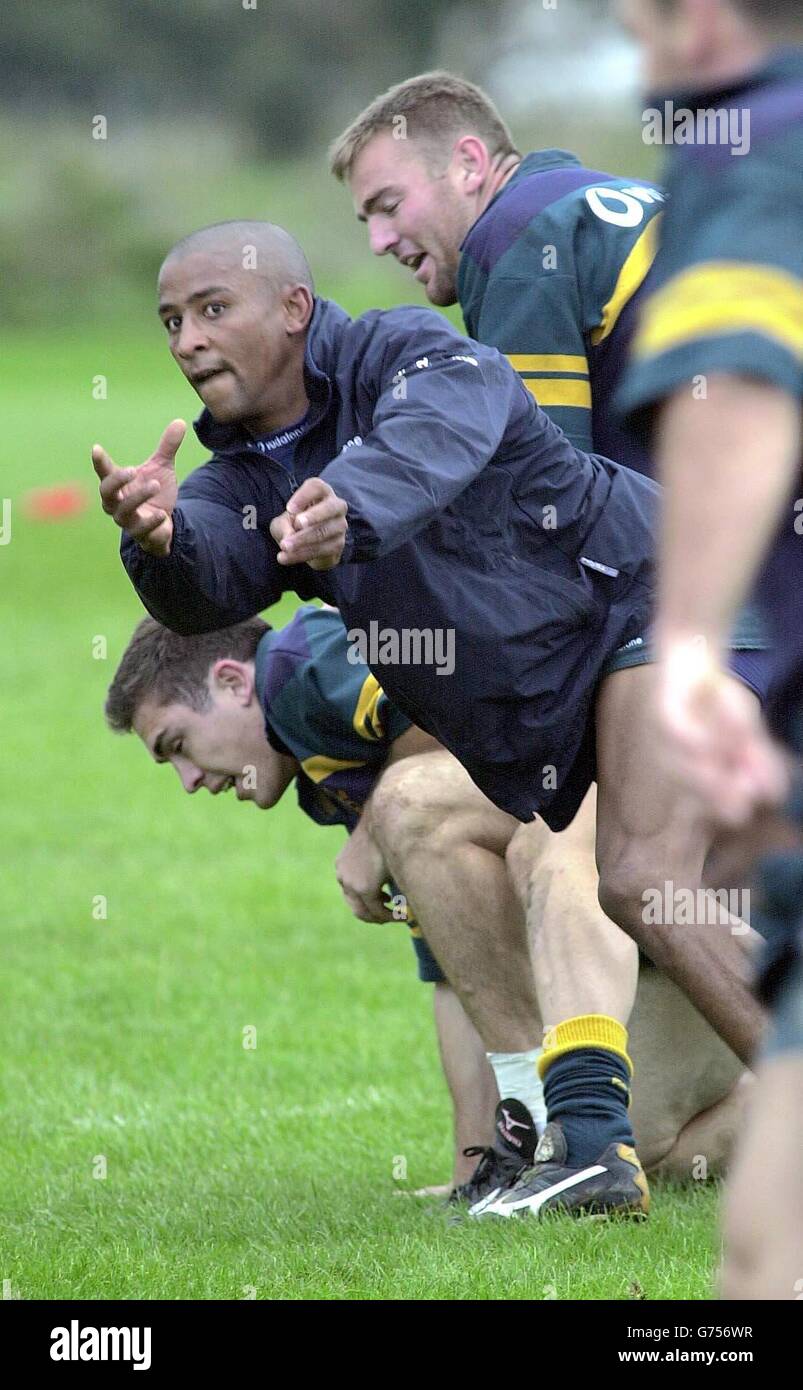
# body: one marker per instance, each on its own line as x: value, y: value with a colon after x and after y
x: 173, y: 323
x: 178, y: 747
x: 208, y: 310
x: 390, y: 208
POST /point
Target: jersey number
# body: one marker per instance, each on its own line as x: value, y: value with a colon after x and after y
x: 624, y: 207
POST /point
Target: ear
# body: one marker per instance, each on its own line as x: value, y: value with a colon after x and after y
x: 298, y: 303
x: 471, y: 162
x: 234, y: 678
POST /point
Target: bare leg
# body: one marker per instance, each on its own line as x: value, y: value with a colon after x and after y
x: 444, y: 844
x: 688, y: 1091
x: 764, y: 1207
x: 582, y: 962
x: 648, y: 837
x: 469, y: 1077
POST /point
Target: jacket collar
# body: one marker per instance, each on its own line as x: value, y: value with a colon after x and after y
x: 537, y: 161
x: 320, y: 362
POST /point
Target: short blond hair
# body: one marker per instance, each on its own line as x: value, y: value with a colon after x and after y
x: 436, y: 108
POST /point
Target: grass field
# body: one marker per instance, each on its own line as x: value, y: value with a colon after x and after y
x: 230, y: 1172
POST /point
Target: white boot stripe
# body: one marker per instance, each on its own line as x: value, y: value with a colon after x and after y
x: 536, y: 1201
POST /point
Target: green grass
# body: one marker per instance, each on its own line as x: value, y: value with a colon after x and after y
x: 228, y: 1170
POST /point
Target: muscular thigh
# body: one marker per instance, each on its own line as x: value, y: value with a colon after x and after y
x: 638, y: 804
x: 432, y: 795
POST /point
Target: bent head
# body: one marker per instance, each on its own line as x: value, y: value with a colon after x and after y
x: 236, y: 300
x: 193, y: 702
x: 698, y: 43
x: 421, y: 163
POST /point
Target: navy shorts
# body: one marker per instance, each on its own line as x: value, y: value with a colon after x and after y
x: 750, y: 656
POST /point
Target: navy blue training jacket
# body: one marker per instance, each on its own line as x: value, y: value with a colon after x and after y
x: 468, y: 510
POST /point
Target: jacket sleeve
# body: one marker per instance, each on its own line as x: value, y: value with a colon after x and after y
x: 439, y: 418
x: 218, y: 571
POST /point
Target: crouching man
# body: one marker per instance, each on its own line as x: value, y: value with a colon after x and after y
x: 253, y: 709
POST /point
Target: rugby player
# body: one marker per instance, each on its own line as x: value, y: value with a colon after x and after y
x: 716, y: 373
x: 468, y: 512
x: 549, y: 262
x: 255, y: 709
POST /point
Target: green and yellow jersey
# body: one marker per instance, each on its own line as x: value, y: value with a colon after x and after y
x: 323, y: 707
x: 551, y: 274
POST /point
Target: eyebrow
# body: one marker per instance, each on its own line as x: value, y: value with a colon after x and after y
x: 369, y: 205
x: 199, y: 294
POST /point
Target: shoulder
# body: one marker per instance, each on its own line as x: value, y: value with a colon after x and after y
x: 562, y: 201
x: 408, y: 336
x: 406, y: 325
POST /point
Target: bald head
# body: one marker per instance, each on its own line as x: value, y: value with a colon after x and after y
x: 263, y: 248
x: 236, y: 300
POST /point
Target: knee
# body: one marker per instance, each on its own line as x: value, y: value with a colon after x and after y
x: 626, y: 882
x: 400, y: 806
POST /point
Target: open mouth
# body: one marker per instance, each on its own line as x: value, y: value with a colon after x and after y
x: 414, y: 262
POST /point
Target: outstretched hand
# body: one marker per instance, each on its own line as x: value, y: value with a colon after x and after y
x: 141, y: 500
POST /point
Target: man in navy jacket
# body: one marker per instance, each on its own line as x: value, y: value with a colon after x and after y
x: 402, y: 472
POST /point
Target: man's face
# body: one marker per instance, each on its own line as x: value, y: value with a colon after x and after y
x: 227, y: 331
x: 220, y: 747
x: 420, y: 217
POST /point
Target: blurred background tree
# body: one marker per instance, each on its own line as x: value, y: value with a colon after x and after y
x: 222, y: 108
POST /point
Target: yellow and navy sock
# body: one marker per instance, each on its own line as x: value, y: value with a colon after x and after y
x: 586, y: 1073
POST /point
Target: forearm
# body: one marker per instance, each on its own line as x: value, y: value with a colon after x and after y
x: 217, y: 572
x: 728, y: 464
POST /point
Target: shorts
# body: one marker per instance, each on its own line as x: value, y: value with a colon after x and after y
x: 750, y: 655
x: 428, y: 969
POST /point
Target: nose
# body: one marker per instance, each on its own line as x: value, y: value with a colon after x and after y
x: 382, y: 236
x: 191, y: 776
x: 193, y: 337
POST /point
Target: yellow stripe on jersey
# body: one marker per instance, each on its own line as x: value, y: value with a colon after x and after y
x: 631, y: 276
x: 367, y: 721
x: 560, y: 391
x: 723, y: 297
x: 547, y: 362
x: 320, y: 767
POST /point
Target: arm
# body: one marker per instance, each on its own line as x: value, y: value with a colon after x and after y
x: 438, y: 421
x: 747, y: 434
x: 217, y: 573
